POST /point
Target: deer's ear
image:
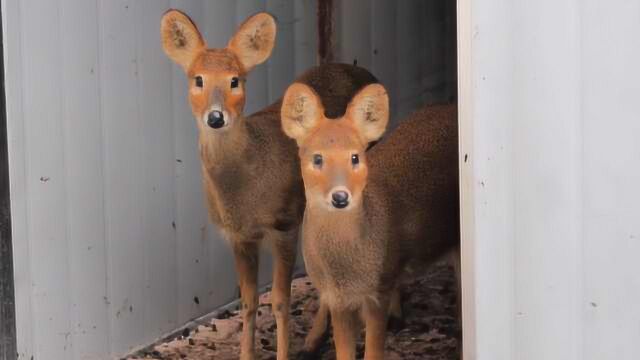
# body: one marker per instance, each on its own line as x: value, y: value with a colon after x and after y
x: 369, y: 111
x: 301, y: 111
x: 254, y: 40
x: 181, y: 39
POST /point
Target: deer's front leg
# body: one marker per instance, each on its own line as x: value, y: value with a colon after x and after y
x: 284, y: 252
x: 246, y: 258
x: 375, y: 317
x: 344, y: 333
x: 317, y: 335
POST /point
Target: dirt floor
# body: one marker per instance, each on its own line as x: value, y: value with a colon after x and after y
x: 430, y: 330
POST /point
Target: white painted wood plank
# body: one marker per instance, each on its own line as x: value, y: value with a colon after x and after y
x: 466, y: 160
x: 486, y: 138
x: 305, y: 33
x: 123, y: 172
x: 546, y: 174
x: 46, y: 187
x: 281, y: 65
x: 84, y: 181
x: 611, y: 228
x: 353, y: 37
x: 154, y: 94
x: 17, y: 149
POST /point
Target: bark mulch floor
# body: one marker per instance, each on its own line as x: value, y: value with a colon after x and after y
x: 430, y: 331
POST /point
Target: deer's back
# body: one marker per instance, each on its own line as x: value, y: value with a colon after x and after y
x: 414, y: 181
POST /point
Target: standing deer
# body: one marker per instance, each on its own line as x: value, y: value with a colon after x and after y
x: 250, y: 170
x: 367, y: 216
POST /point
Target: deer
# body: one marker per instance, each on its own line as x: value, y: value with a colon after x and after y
x: 370, y: 214
x: 250, y: 171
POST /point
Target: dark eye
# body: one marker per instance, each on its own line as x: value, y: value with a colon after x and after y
x: 355, y: 159
x: 317, y: 160
x: 234, y: 82
x: 199, y: 82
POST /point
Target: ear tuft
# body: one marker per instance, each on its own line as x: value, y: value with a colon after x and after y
x: 254, y: 40
x: 369, y: 110
x: 181, y: 39
x: 301, y: 111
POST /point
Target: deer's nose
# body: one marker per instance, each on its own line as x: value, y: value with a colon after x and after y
x: 215, y: 119
x: 340, y: 199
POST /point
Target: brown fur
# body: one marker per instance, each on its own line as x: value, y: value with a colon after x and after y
x: 405, y: 208
x: 250, y: 171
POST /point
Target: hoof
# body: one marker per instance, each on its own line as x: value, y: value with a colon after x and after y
x: 395, y: 324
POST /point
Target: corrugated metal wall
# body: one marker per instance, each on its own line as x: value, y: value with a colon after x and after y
x: 112, y: 244
x: 112, y: 240
x: 409, y: 45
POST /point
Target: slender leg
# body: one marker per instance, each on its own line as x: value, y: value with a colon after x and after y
x: 246, y: 257
x: 318, y: 333
x: 284, y: 252
x: 344, y: 333
x: 375, y: 316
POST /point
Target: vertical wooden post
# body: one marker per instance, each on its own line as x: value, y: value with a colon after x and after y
x: 325, y: 31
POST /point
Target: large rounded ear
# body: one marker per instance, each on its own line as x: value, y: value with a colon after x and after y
x: 301, y: 111
x: 369, y: 111
x: 181, y: 39
x: 254, y: 40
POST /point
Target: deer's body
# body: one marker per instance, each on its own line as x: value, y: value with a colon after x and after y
x: 409, y: 212
x: 366, y: 218
x: 250, y: 169
x: 252, y: 175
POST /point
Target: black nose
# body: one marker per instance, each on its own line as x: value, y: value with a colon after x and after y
x: 340, y: 199
x: 215, y: 119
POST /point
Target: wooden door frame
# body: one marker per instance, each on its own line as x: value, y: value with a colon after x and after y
x: 465, y: 136
x: 7, y: 296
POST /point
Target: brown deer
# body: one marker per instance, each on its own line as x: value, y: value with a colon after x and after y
x: 250, y: 170
x: 368, y: 215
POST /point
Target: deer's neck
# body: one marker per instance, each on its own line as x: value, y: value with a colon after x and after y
x: 335, y: 225
x: 218, y: 148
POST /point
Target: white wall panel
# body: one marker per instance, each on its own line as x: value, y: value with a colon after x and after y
x: 549, y: 133
x: 611, y: 227
x: 113, y: 242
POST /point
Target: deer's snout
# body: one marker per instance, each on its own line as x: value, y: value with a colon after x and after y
x: 340, y: 199
x: 215, y: 119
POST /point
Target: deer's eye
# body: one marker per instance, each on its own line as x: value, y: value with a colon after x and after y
x: 355, y: 159
x: 234, y: 82
x: 317, y: 161
x: 199, y: 82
